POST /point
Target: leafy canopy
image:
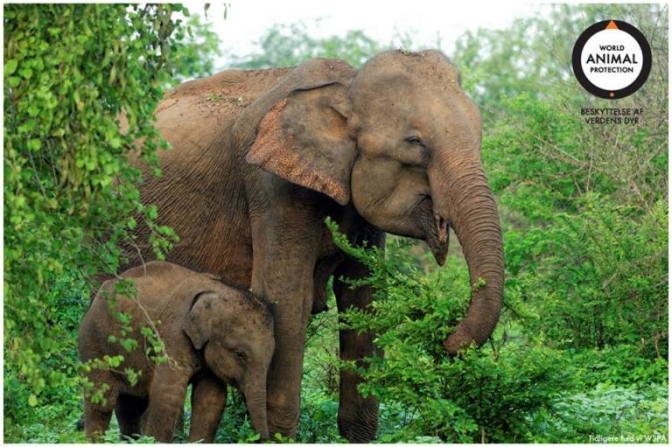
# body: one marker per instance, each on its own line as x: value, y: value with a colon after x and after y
x: 288, y: 45
x: 70, y: 194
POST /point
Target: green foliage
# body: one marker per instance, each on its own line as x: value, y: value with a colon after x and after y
x: 620, y: 366
x: 585, y: 216
x: 290, y: 45
x: 596, y: 278
x: 486, y: 395
x: 586, y: 242
x: 533, y: 55
x: 606, y: 413
x: 195, y: 57
x: 546, y: 157
x: 26, y: 417
x: 513, y: 390
x: 70, y: 194
x: 584, y: 206
x: 320, y: 383
x: 69, y: 191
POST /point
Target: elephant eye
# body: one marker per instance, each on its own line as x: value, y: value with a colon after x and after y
x: 240, y: 355
x: 414, y: 140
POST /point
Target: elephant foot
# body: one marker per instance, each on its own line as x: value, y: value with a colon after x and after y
x: 284, y: 421
x: 362, y: 426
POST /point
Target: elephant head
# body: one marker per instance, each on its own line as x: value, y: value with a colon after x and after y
x: 400, y: 141
x: 235, y: 331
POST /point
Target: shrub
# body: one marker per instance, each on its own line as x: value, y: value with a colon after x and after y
x: 606, y: 413
x: 594, y: 278
x: 484, y: 395
x: 70, y: 193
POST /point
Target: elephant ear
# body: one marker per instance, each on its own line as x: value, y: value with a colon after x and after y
x: 305, y: 140
x: 198, y: 324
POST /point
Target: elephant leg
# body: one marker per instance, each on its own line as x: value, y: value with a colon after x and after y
x: 284, y: 266
x: 357, y: 416
x: 96, y: 421
x: 285, y: 371
x: 166, y: 402
x: 129, y: 412
x: 97, y: 415
x: 284, y: 387
x: 208, y: 400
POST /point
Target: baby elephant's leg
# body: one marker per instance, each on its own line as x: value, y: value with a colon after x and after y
x: 166, y: 402
x: 97, y: 415
x: 208, y: 400
x: 129, y: 411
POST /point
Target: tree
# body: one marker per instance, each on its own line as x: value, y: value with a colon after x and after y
x: 534, y: 54
x: 290, y: 45
x: 71, y: 196
x: 195, y: 58
x: 584, y: 205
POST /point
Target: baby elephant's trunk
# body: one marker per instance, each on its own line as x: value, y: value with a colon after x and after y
x: 255, y: 397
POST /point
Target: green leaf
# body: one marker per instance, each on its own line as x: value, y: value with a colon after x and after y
x: 115, y: 143
x: 10, y: 67
x: 34, y: 144
x: 26, y: 73
x: 33, y: 110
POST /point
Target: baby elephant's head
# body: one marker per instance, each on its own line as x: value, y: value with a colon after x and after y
x: 235, y: 331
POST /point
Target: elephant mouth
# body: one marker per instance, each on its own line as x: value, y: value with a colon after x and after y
x: 435, y: 228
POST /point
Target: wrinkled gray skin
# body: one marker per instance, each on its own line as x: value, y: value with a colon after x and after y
x: 260, y: 158
x: 214, y: 335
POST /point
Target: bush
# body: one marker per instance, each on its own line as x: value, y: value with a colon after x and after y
x: 606, y: 413
x: 70, y: 193
x: 484, y: 395
x: 621, y: 366
x: 595, y: 278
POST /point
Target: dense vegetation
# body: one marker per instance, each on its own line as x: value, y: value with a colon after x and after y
x: 581, y: 352
x: 70, y: 195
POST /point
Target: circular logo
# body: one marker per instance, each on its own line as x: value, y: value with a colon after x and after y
x: 611, y: 59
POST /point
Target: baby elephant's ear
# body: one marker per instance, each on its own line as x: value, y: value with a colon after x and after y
x: 199, y: 321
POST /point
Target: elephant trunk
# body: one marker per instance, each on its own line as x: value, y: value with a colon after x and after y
x: 255, y: 398
x: 470, y: 207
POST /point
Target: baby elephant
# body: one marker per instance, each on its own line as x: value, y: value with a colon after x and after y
x: 213, y: 335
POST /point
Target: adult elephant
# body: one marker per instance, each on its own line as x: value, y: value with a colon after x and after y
x: 260, y: 159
